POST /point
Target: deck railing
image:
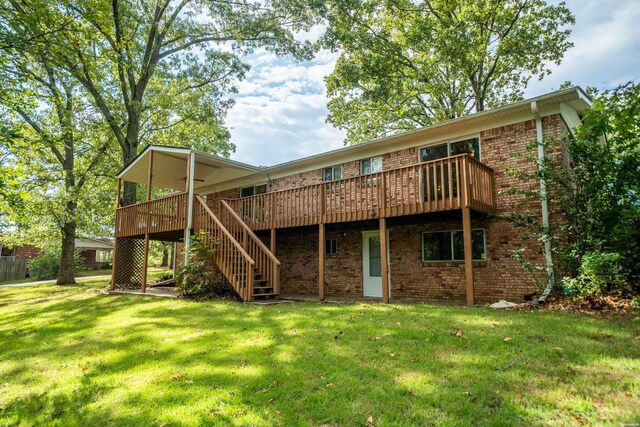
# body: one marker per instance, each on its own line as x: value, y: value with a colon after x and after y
x: 267, y: 265
x: 439, y: 185
x: 155, y: 216
x: 234, y: 262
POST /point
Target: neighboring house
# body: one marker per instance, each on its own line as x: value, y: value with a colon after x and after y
x: 25, y: 252
x: 97, y: 253
x: 416, y: 216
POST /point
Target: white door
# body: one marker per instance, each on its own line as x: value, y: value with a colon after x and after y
x: 371, y: 264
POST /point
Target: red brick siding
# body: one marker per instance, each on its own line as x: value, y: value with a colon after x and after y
x: 499, y: 277
x: 27, y: 252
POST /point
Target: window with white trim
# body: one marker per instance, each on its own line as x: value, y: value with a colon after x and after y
x: 253, y: 190
x: 372, y: 165
x: 465, y: 146
x: 449, y: 245
x: 332, y: 173
x: 331, y: 247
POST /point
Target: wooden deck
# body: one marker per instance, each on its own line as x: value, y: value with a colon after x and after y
x: 447, y: 184
x: 452, y: 183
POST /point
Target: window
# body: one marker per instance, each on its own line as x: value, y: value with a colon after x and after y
x: 332, y: 173
x: 469, y: 146
x: 371, y: 165
x: 449, y: 245
x: 253, y: 190
x: 331, y: 247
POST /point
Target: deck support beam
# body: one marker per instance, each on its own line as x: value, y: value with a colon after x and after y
x: 146, y: 235
x: 383, y: 260
x: 468, y: 254
x: 272, y: 241
x: 115, y: 241
x: 321, y: 250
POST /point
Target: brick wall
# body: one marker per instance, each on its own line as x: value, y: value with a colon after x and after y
x: 27, y: 252
x: 501, y: 276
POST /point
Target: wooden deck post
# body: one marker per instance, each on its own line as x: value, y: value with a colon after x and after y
x: 321, y: 250
x: 189, y: 189
x: 148, y: 225
x: 115, y: 241
x: 468, y: 254
x: 383, y: 260
x: 272, y: 241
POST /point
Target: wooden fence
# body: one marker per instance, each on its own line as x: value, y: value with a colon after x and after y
x: 13, y: 269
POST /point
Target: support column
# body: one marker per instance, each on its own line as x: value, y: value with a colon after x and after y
x: 272, y: 241
x: 115, y: 240
x: 191, y: 163
x: 146, y: 235
x: 384, y: 261
x: 321, y: 250
x: 468, y: 254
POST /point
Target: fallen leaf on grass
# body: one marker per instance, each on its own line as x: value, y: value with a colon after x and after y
x: 507, y: 339
x: 580, y: 420
x: 276, y: 413
x: 370, y: 422
x: 330, y: 385
x: 457, y: 332
x: 179, y: 376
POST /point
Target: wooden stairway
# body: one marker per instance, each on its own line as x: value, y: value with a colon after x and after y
x: 252, y: 270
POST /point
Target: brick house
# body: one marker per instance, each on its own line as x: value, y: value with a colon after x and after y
x: 415, y: 216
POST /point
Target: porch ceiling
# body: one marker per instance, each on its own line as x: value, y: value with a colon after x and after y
x: 170, y: 168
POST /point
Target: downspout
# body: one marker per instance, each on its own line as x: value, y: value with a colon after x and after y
x: 545, y: 207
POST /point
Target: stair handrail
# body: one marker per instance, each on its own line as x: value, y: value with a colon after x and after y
x: 275, y: 272
x: 250, y: 232
x: 224, y: 230
x: 246, y: 294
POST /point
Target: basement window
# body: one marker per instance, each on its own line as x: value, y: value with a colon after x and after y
x: 331, y: 247
x: 449, y: 245
x: 253, y: 190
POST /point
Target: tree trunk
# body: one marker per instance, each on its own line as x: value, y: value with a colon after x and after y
x: 129, y: 152
x: 66, y: 273
x: 165, y: 257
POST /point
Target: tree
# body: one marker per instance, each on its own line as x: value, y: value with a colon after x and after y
x: 406, y: 64
x: 55, y: 151
x: 600, y: 189
x: 136, y: 59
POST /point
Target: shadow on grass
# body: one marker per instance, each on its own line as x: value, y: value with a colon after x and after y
x: 80, y: 359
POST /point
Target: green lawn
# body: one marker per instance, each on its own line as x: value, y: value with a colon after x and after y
x: 69, y: 356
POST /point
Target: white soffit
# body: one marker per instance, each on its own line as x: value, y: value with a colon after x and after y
x: 170, y: 168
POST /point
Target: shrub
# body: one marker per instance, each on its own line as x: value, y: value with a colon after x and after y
x: 47, y: 265
x: 198, y: 280
x: 599, y: 272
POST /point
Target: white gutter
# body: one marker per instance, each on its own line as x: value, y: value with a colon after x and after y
x: 187, y: 240
x: 545, y: 207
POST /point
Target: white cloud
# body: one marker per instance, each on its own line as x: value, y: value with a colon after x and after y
x: 281, y: 109
x: 606, y: 49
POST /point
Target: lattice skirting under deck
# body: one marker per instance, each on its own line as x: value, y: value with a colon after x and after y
x: 129, y: 263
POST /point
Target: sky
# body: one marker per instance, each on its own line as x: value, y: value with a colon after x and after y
x: 280, y: 108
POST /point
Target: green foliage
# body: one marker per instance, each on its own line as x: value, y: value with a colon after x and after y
x: 406, y: 64
x: 600, y: 188
x: 47, y: 264
x: 594, y: 181
x: 157, y: 71
x: 599, y: 273
x: 198, y: 280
